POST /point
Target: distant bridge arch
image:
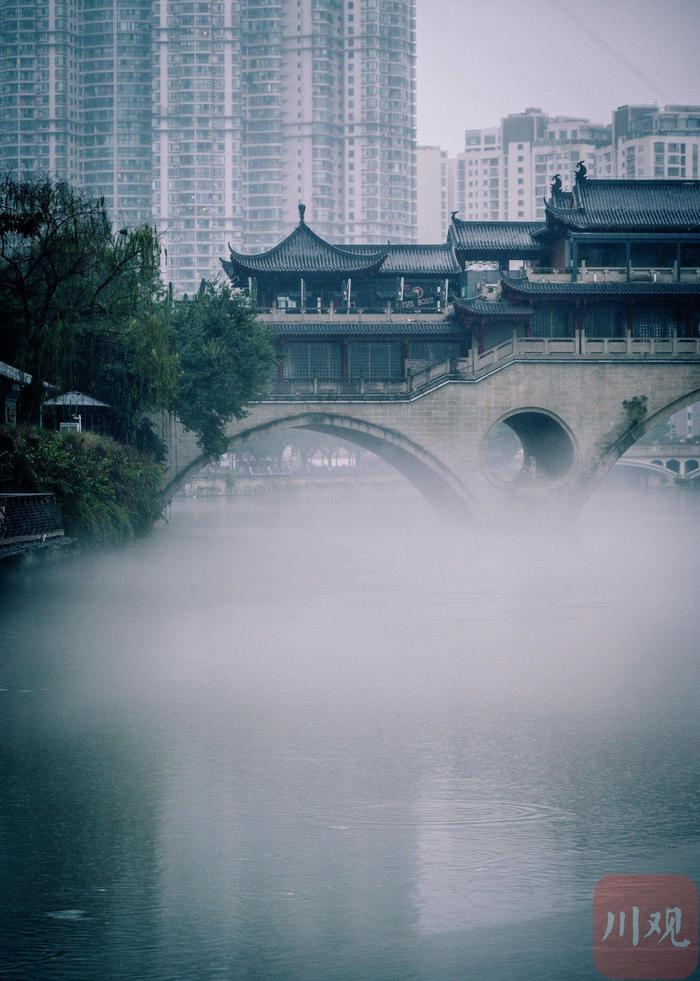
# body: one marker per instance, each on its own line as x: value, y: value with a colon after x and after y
x: 435, y: 481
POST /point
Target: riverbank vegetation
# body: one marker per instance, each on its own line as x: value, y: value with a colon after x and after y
x: 85, y: 309
x: 107, y: 491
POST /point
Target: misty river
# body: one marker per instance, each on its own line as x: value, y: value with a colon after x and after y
x: 326, y: 736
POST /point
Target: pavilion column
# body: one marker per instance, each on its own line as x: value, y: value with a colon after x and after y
x: 279, y: 353
x: 579, y: 324
x: 344, y: 360
x: 404, y: 357
x: 629, y: 325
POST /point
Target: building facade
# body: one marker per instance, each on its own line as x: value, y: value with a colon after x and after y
x: 196, y: 135
x: 433, y: 215
x: 503, y: 173
x: 653, y: 142
x: 40, y: 91
x: 215, y: 119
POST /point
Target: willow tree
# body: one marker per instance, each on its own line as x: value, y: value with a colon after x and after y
x: 82, y: 306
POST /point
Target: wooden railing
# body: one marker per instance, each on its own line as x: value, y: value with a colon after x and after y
x: 26, y: 518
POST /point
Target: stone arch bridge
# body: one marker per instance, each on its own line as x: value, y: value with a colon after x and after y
x: 574, y: 413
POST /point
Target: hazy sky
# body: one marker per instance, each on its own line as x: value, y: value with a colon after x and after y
x: 481, y: 59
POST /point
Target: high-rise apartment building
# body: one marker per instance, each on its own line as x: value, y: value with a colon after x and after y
x: 216, y: 119
x: 115, y: 102
x: 432, y: 210
x: 196, y: 133
x: 380, y: 121
x: 504, y: 172
x: 293, y: 57
x: 329, y: 118
x: 649, y: 141
x: 40, y: 87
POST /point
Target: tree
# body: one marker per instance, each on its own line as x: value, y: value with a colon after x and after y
x: 224, y: 360
x: 83, y: 307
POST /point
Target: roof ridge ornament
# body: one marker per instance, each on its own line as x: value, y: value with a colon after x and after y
x: 302, y: 212
x: 581, y: 171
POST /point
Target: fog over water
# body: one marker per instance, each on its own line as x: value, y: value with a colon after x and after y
x: 328, y: 735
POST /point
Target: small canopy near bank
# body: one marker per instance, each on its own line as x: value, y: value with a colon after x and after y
x: 80, y: 411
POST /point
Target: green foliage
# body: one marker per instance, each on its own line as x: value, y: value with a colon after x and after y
x: 107, y: 492
x: 84, y: 309
x: 82, y: 306
x: 635, y: 409
x: 224, y: 360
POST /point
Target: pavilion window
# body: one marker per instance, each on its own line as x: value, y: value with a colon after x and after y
x: 651, y: 321
x: 432, y: 351
x: 308, y: 361
x: 605, y: 255
x: 653, y: 255
x: 690, y: 255
x: 605, y: 320
x: 553, y: 320
x: 375, y: 361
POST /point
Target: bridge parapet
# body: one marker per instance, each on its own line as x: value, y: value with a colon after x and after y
x: 479, y: 365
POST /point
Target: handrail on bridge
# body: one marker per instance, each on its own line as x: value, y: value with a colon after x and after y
x: 478, y: 364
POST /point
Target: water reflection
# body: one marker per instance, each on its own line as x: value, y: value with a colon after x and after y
x: 312, y: 737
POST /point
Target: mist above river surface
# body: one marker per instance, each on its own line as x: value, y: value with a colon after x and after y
x: 330, y: 735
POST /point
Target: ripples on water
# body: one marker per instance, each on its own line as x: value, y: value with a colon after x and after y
x: 333, y: 738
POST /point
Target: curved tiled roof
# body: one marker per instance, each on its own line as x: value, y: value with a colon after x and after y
x: 415, y: 260
x: 494, y: 239
x: 530, y: 287
x: 476, y: 306
x: 394, y: 328
x: 303, y: 251
x: 630, y: 205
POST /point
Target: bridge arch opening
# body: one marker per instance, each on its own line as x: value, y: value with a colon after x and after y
x: 436, y: 482
x: 528, y: 444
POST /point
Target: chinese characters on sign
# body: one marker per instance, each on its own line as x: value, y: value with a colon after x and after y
x: 645, y: 926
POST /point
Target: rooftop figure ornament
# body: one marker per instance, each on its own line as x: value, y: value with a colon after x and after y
x: 556, y: 184
x: 302, y: 212
x: 581, y: 171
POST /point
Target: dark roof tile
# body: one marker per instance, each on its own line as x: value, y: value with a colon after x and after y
x: 303, y: 251
x: 495, y: 239
x: 414, y: 260
x: 628, y: 205
x: 476, y: 306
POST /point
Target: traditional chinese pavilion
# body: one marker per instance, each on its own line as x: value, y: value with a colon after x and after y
x: 616, y: 256
x: 612, y: 257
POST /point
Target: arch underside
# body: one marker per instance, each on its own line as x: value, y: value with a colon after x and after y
x: 633, y: 435
x: 436, y: 482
